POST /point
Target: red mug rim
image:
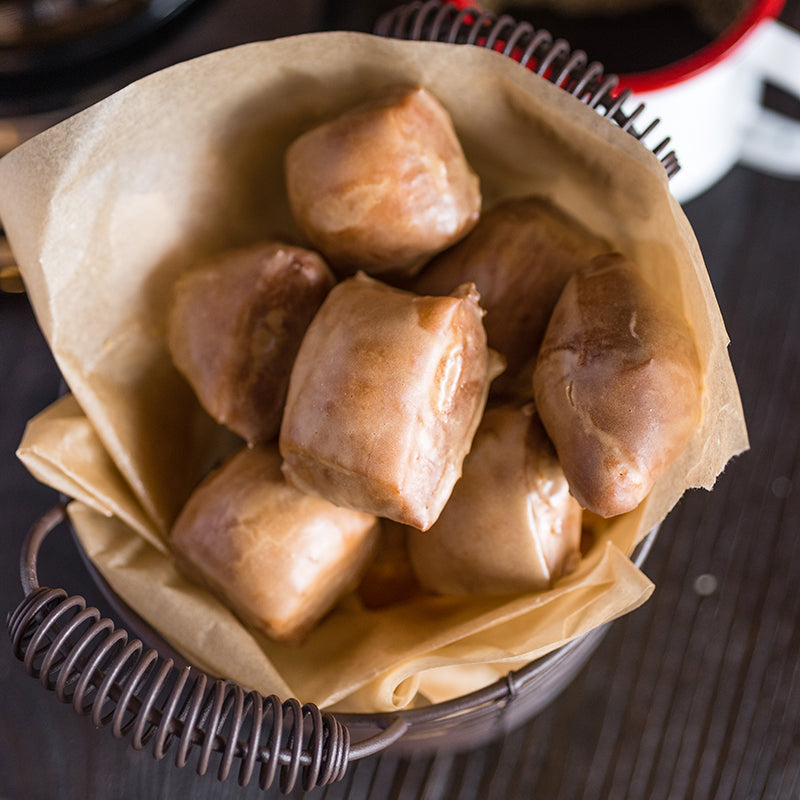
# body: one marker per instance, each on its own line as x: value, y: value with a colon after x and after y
x: 707, y: 56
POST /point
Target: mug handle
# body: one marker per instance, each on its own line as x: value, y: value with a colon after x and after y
x: 772, y: 144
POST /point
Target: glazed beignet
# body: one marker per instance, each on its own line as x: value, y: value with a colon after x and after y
x: 384, y: 186
x: 519, y: 255
x: 384, y: 398
x: 511, y: 524
x: 279, y: 558
x: 618, y: 385
x: 235, y: 326
x: 389, y: 578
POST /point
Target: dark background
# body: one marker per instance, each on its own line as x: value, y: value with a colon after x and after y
x: 694, y: 695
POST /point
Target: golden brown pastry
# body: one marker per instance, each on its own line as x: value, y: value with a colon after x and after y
x: 235, y: 326
x: 384, y: 186
x: 385, y: 396
x: 279, y: 558
x: 511, y: 524
x: 520, y: 254
x: 389, y: 578
x: 618, y: 385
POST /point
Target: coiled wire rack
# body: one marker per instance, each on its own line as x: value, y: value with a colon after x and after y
x: 552, y: 58
x: 103, y: 672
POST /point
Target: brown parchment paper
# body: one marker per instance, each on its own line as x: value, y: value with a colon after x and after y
x: 106, y: 209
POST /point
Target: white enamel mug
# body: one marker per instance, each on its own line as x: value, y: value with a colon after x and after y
x: 710, y: 103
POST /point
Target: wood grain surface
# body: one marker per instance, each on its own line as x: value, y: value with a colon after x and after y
x: 694, y: 695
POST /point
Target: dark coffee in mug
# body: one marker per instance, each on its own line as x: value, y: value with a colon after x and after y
x: 628, y: 36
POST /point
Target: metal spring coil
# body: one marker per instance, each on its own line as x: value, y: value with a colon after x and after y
x: 553, y: 59
x: 93, y: 666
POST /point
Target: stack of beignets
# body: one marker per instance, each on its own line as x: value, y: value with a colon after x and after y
x: 618, y: 385
x: 385, y: 396
x: 519, y: 255
x: 279, y: 557
x: 388, y: 386
x: 511, y: 524
x: 235, y: 326
x: 384, y: 186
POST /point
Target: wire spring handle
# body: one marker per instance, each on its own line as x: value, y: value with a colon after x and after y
x: 95, y: 667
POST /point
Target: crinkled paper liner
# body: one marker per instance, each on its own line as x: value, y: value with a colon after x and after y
x: 106, y: 209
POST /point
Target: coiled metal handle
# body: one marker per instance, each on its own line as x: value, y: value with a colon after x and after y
x: 99, y: 670
x: 538, y: 50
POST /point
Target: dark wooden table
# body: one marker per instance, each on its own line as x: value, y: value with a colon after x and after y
x: 694, y: 695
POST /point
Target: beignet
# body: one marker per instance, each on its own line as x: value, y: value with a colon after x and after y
x: 384, y: 398
x: 511, y: 524
x: 279, y: 558
x: 389, y: 578
x: 618, y: 385
x: 235, y: 326
x: 519, y: 255
x: 383, y: 186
